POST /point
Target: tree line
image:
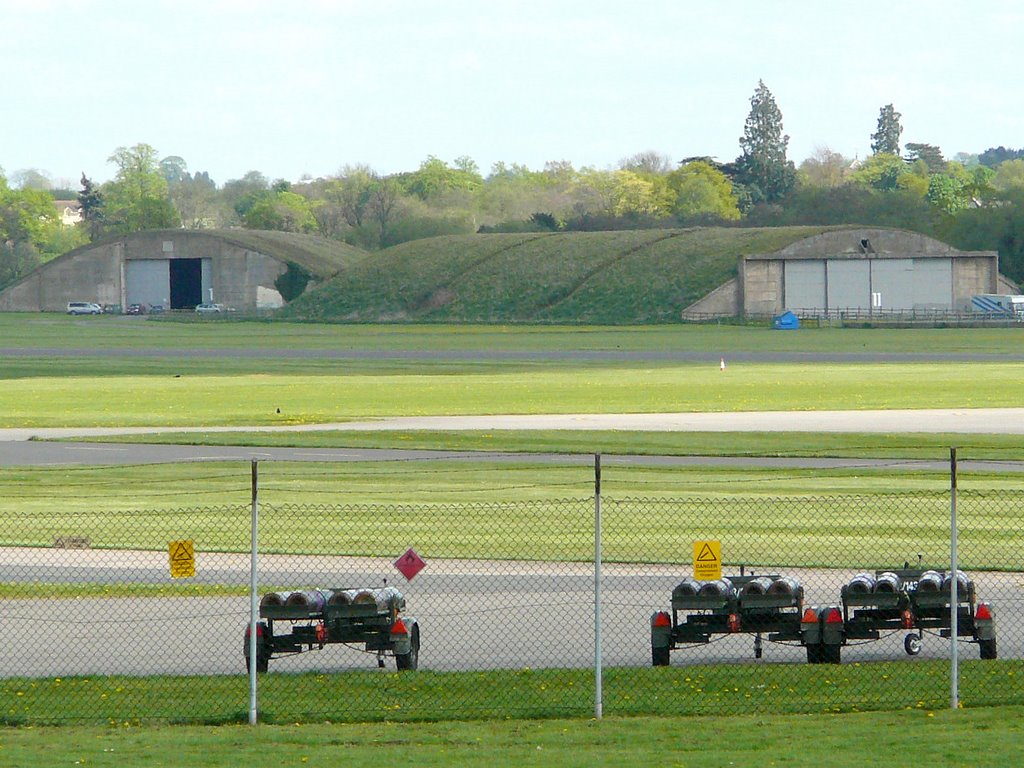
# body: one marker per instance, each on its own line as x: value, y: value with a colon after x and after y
x: 974, y: 202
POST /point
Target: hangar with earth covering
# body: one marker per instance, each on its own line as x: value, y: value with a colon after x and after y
x: 639, y: 276
x: 247, y: 270
x: 854, y: 270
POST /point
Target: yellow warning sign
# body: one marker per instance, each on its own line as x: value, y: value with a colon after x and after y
x: 183, y: 559
x: 707, y: 560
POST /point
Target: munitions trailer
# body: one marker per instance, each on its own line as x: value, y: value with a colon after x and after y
x: 313, y: 619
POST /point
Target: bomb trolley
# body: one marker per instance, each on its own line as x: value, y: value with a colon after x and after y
x: 916, y: 599
x: 746, y: 603
x: 316, y: 618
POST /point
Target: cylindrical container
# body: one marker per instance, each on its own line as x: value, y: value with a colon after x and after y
x: 888, y: 583
x: 274, y: 599
x: 340, y: 597
x: 716, y: 588
x: 758, y: 586
x: 861, y: 584
x: 963, y: 584
x: 313, y: 599
x: 785, y: 585
x: 686, y: 588
x: 930, y: 581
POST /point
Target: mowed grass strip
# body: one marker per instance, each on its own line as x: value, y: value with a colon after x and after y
x: 295, y: 400
x: 385, y: 695
x: 938, y: 738
x: 917, y: 445
x: 850, y: 518
x: 166, y: 335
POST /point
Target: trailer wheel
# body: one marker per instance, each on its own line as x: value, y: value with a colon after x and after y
x: 987, y: 648
x: 660, y: 656
x: 410, y: 660
x: 912, y: 644
x: 814, y: 653
x: 263, y: 649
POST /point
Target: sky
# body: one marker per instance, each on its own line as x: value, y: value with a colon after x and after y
x: 302, y: 88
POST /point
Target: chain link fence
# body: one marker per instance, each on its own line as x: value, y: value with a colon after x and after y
x: 503, y: 616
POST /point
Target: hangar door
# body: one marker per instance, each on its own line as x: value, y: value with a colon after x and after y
x: 804, y: 286
x: 849, y: 284
x: 147, y: 282
x: 913, y: 283
x: 171, y: 283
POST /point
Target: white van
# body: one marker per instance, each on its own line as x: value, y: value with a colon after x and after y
x: 84, y: 308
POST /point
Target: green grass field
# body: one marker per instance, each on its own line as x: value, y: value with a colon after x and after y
x: 979, y: 738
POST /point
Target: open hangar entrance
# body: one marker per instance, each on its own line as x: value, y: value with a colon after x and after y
x: 170, y: 283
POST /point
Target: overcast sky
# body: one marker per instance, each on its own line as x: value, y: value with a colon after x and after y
x: 295, y: 87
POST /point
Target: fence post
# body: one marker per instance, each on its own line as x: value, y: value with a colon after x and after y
x: 253, y: 600
x: 954, y: 670
x: 598, y: 662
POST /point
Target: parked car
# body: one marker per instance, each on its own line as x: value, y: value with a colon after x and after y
x: 209, y: 309
x: 136, y: 309
x: 84, y: 308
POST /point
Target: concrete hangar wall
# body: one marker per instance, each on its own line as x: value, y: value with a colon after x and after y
x: 864, y: 269
x: 174, y: 268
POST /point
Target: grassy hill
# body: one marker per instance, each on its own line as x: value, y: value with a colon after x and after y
x: 641, y: 276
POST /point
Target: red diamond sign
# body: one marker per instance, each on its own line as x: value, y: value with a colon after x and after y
x: 410, y: 564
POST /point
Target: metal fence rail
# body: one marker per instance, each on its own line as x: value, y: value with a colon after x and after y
x: 95, y: 628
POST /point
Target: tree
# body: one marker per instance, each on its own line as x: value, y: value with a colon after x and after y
x: 283, y: 211
x: 993, y: 156
x: 237, y: 196
x: 91, y: 201
x: 648, y: 163
x: 382, y: 208
x: 32, y: 178
x: 1009, y: 175
x: 824, y: 168
x: 929, y: 153
x: 434, y: 178
x: 701, y: 190
x: 886, y: 140
x: 763, y: 167
x: 195, y: 198
x: 174, y: 169
x: 137, y: 198
x: 948, y: 192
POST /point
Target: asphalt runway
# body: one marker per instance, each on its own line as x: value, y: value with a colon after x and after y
x: 472, y: 615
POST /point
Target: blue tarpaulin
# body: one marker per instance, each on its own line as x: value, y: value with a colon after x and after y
x: 787, y: 321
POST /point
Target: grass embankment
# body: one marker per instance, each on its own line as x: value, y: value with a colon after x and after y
x: 620, y: 277
x: 984, y: 738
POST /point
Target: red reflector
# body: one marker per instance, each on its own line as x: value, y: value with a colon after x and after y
x: 834, y: 617
x: 733, y: 622
x: 661, y: 619
x: 321, y: 632
x: 810, y: 617
x: 398, y: 628
x: 984, y: 613
x: 908, y: 619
